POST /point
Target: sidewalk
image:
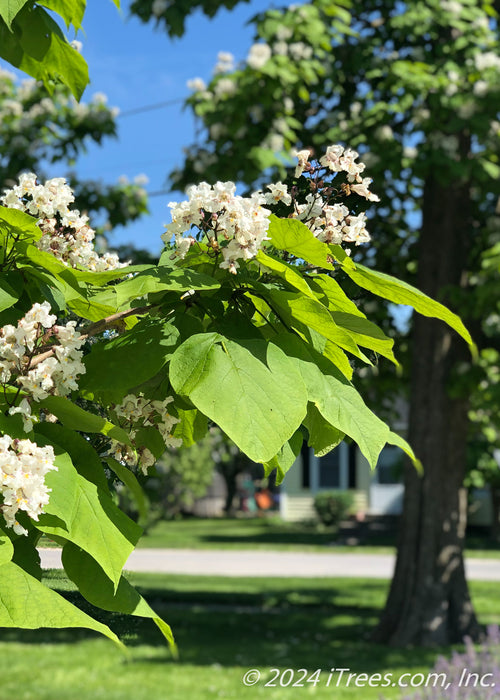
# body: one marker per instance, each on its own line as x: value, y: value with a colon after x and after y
x: 214, y: 562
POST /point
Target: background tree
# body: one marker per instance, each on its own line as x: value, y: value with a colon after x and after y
x: 179, y: 478
x: 414, y: 87
x: 39, y: 132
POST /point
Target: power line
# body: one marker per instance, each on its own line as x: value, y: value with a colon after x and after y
x: 149, y: 108
x: 158, y: 193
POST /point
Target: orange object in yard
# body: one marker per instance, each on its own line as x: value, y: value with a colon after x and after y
x: 264, y: 500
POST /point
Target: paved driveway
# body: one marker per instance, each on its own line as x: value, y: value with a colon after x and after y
x: 265, y: 563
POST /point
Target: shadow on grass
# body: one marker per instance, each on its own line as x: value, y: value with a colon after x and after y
x: 286, y: 626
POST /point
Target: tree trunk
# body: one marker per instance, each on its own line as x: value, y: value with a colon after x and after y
x: 429, y: 602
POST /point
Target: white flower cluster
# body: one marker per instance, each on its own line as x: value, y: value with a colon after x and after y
x: 57, y: 374
x: 235, y: 226
x: 333, y: 223
x: 225, y: 62
x: 23, y: 466
x: 66, y: 233
x: 258, y: 55
x: 138, y: 412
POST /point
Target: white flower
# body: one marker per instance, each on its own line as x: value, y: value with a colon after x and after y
x: 354, y: 230
x: 481, y: 88
x: 66, y: 233
x: 278, y: 193
x: 217, y: 130
x: 274, y: 142
x: 134, y: 412
x: 280, y: 48
x: 303, y: 158
x: 409, y: 152
x: 384, y: 133
x: 158, y: 7
x: 183, y: 244
x: 300, y: 51
x: 238, y: 225
x: 224, y: 86
x: 225, y: 62
x: 99, y: 98
x: 196, y: 84
x: 363, y: 190
x: 452, y: 6
x: 331, y: 159
x: 467, y: 109
x: 486, y: 60
x: 258, y: 55
x: 23, y: 466
x: 24, y: 409
x: 283, y: 33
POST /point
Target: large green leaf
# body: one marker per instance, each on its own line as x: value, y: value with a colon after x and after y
x: 398, y: 441
x: 101, y: 278
x: 285, y: 457
x: 6, y: 547
x: 38, y: 263
x: 71, y: 11
x: 27, y: 604
x: 76, y: 418
x: 96, y: 587
x: 84, y: 457
x: 332, y: 295
x: 337, y: 400
x: 323, y: 437
x: 38, y: 47
x: 192, y: 426
x: 294, y: 236
x: 366, y: 334
x: 291, y: 276
x: 9, y: 9
x: 115, y: 366
x: 295, y: 308
x: 399, y: 292
x: 130, y: 480
x: 8, y: 295
x: 83, y: 514
x: 156, y: 279
x: 251, y: 390
x: 329, y: 350
x: 19, y: 224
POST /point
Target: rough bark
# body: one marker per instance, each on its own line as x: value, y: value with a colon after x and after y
x: 429, y: 602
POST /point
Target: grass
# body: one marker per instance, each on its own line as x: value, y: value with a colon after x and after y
x: 223, y: 628
x: 273, y: 533
x: 238, y: 533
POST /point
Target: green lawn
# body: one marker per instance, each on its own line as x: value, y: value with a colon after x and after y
x: 238, y: 533
x: 224, y: 627
x: 274, y: 533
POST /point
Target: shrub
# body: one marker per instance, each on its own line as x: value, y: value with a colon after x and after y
x: 333, y: 506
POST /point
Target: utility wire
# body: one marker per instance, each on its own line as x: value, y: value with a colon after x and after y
x: 158, y: 193
x: 149, y: 108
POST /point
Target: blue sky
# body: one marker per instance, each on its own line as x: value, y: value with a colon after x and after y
x: 136, y: 65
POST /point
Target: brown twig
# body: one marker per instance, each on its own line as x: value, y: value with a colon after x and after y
x: 94, y: 329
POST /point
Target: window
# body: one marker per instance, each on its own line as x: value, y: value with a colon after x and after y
x: 330, y: 471
x: 389, y: 466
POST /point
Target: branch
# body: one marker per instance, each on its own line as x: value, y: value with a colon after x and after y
x: 94, y: 329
